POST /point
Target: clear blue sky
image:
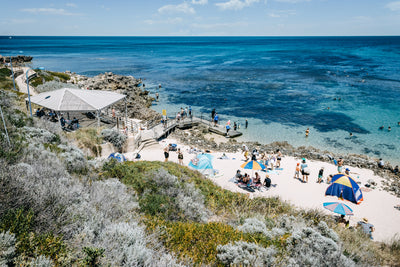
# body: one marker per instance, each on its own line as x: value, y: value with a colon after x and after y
x: 200, y: 17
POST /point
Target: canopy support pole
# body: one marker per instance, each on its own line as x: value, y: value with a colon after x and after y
x: 126, y: 113
x: 98, y: 118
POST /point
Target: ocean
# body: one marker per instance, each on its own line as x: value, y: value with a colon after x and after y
x: 282, y: 85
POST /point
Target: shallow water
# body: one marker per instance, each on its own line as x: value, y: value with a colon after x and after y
x: 282, y: 85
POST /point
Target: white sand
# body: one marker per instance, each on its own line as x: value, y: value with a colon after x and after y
x: 378, y: 205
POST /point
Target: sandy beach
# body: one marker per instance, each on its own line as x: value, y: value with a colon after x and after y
x: 377, y: 207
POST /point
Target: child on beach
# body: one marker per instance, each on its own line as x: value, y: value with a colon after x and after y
x: 297, y: 172
x: 320, y: 174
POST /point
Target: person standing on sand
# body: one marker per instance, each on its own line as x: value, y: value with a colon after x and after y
x: 166, y: 153
x: 213, y: 114
x: 307, y: 132
x: 246, y: 124
x: 304, y: 170
x: 180, y: 157
x: 227, y: 129
x: 157, y: 96
x: 340, y: 165
x: 278, y: 158
x: 297, y: 172
x: 320, y: 175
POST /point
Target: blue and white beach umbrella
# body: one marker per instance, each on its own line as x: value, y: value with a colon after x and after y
x: 338, y: 208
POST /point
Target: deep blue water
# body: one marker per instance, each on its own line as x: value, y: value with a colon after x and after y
x: 282, y: 85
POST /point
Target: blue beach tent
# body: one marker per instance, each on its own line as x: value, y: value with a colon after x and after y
x: 203, y: 164
x: 118, y: 156
x: 344, y: 187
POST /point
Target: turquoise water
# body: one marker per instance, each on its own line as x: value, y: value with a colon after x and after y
x: 282, y: 85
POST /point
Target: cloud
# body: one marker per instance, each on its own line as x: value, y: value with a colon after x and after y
x: 49, y: 11
x: 292, y: 1
x: 17, y: 21
x: 394, y: 6
x: 281, y: 13
x: 71, y: 5
x: 236, y: 4
x: 199, y: 2
x: 182, y: 8
x: 167, y: 21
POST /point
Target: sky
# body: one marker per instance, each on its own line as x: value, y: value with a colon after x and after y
x: 200, y: 17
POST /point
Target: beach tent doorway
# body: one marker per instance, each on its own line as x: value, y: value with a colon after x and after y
x: 78, y: 100
x: 203, y: 164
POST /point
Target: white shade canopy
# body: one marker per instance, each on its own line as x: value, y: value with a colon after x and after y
x: 71, y: 99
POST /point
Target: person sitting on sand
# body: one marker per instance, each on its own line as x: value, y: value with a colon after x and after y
x: 304, y: 170
x: 257, y: 179
x: 238, y: 176
x: 366, y: 227
x: 267, y: 181
x: 320, y: 175
x: 245, y: 179
x: 329, y: 178
x: 342, y: 221
x: 297, y: 172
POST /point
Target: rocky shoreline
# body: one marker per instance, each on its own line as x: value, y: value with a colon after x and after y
x: 16, y: 60
x: 195, y: 137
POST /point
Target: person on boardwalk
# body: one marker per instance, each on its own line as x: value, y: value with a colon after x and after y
x: 215, y: 119
x: 113, y: 113
x: 213, y: 114
x: 304, y: 170
x: 246, y: 124
x: 307, y: 132
x: 166, y: 153
x: 340, y: 165
x: 180, y: 157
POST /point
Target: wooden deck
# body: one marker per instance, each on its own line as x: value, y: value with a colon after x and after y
x: 163, y: 130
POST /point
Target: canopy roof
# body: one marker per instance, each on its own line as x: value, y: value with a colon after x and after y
x: 70, y: 99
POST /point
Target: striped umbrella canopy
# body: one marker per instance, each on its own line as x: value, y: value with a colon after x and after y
x: 338, y: 207
x: 344, y: 187
x: 253, y: 165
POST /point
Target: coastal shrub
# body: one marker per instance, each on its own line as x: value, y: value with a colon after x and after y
x: 307, y: 246
x: 116, y: 138
x: 197, y: 241
x: 53, y: 85
x: 165, y: 196
x: 73, y: 159
x: 242, y: 253
x: 93, y: 256
x: 7, y: 248
x: 40, y: 135
x: 89, y: 138
x: 41, y: 261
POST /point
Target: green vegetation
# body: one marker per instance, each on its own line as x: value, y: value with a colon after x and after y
x: 29, y: 243
x: 48, y: 76
x: 5, y: 79
x: 88, y: 138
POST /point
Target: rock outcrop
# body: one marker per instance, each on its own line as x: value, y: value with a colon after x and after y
x: 17, y: 60
x: 138, y: 100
